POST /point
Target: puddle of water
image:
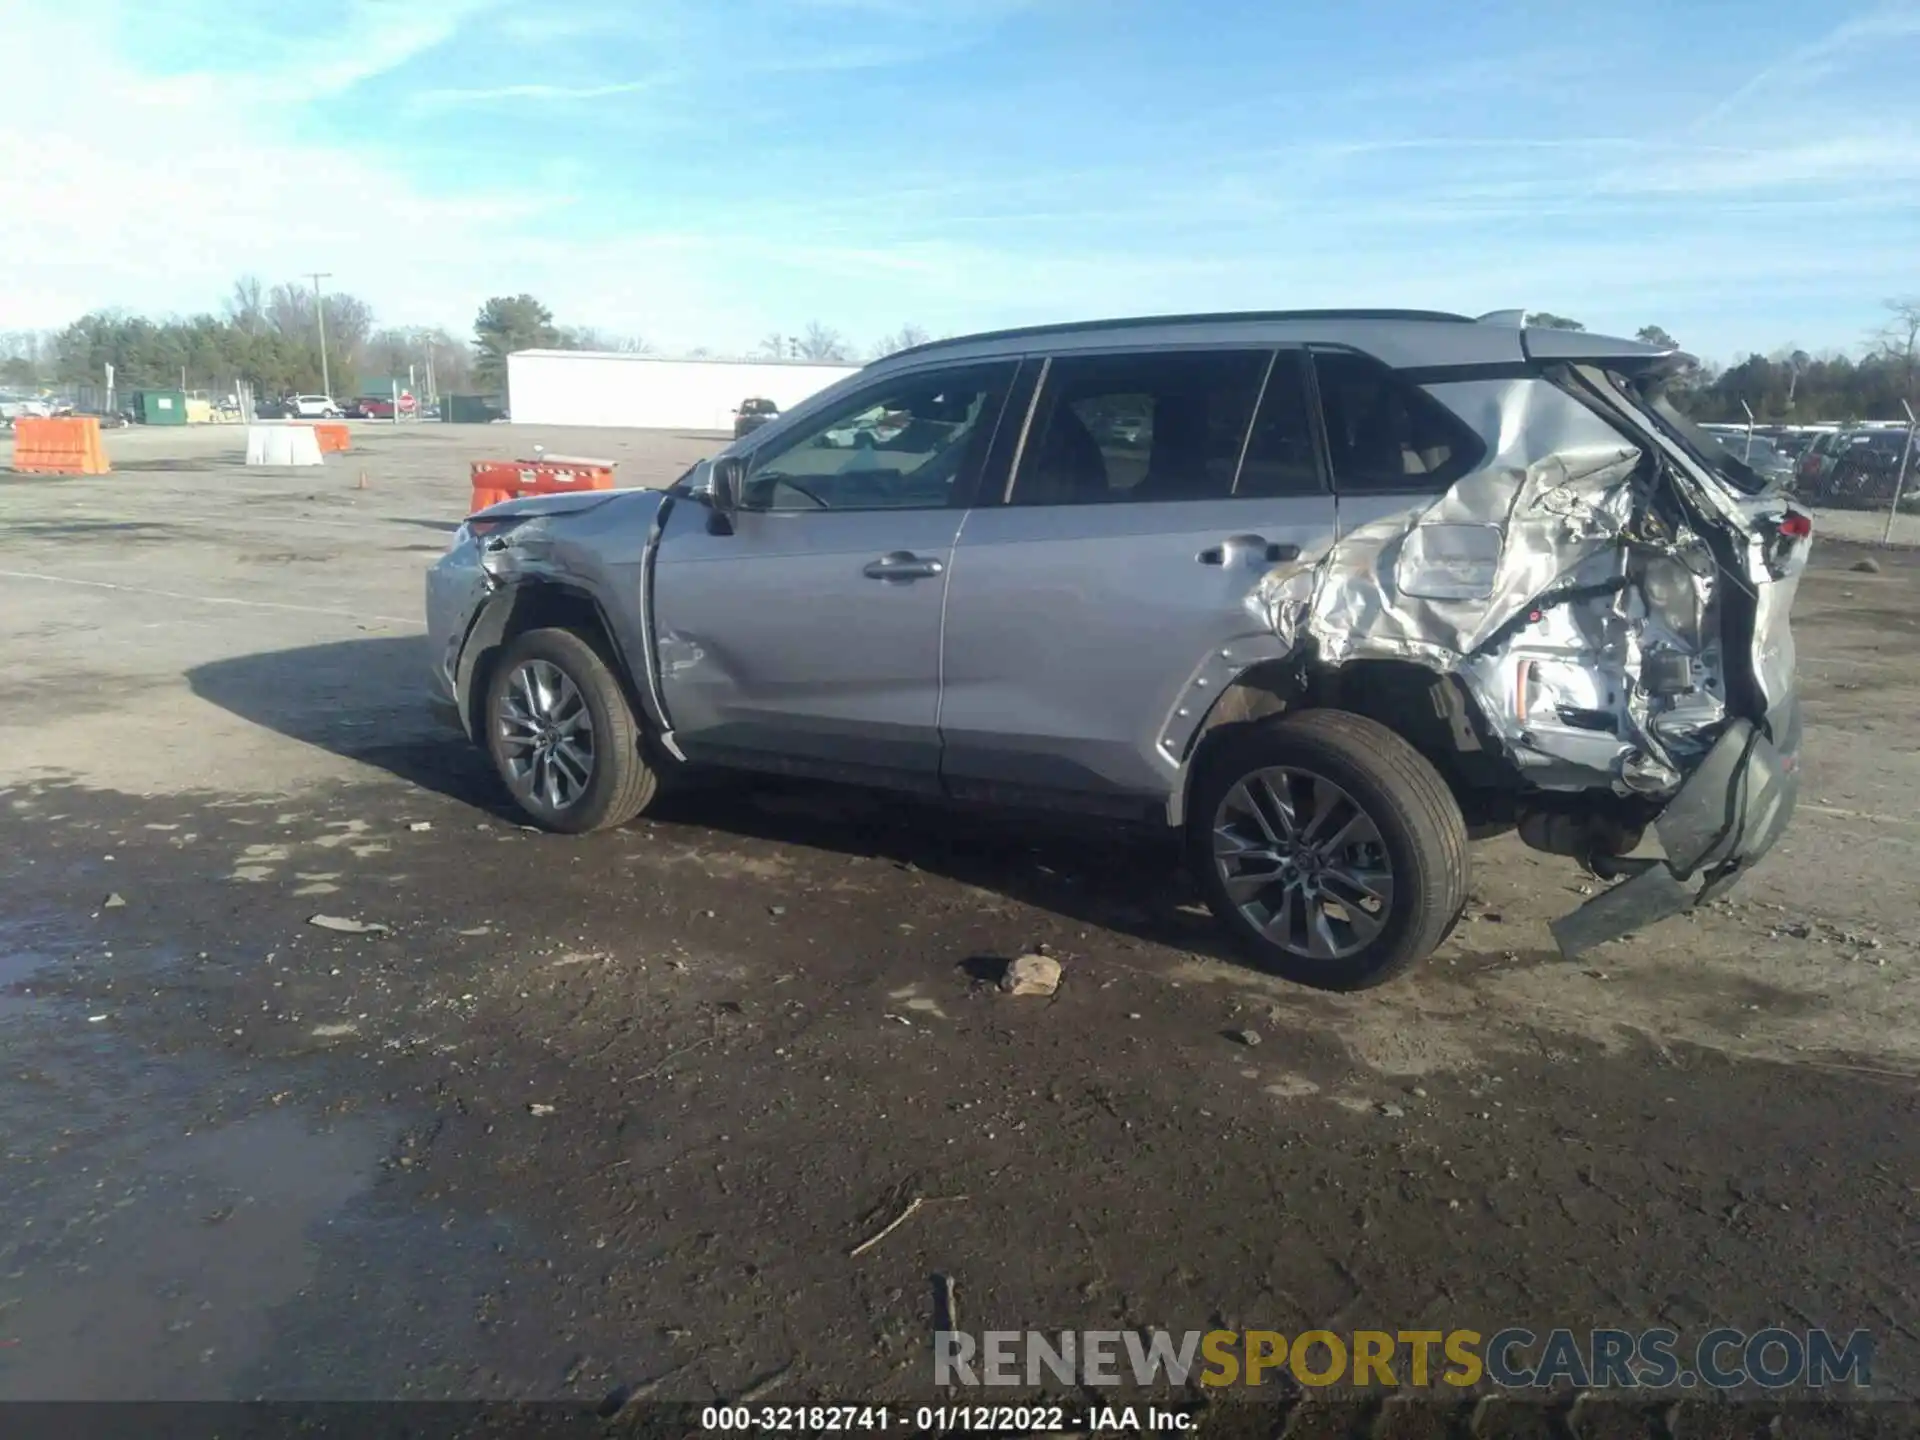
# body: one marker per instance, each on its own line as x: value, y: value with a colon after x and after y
x: 16, y: 967
x: 23, y: 954
x: 145, y: 1265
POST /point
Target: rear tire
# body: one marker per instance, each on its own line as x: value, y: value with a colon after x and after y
x: 1329, y: 847
x: 550, y: 692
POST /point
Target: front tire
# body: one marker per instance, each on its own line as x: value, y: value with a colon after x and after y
x: 562, y: 736
x: 1330, y: 847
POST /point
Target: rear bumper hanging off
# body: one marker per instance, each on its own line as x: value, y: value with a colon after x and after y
x: 1727, y: 815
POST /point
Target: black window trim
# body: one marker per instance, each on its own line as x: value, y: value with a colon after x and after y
x: 1476, y: 446
x: 1026, y: 425
x: 1253, y: 421
x: 1316, y: 428
x: 967, y: 484
x: 1272, y: 349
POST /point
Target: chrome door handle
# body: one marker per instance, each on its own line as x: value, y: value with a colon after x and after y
x: 902, y: 565
x: 1247, y: 550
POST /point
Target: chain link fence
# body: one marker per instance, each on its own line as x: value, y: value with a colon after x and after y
x: 1860, y: 479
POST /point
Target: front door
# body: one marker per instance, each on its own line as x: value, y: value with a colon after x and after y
x: 1087, y: 612
x: 808, y: 638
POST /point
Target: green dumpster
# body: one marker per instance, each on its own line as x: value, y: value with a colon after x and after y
x: 468, y: 409
x: 160, y: 407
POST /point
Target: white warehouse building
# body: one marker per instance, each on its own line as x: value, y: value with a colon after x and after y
x: 594, y: 387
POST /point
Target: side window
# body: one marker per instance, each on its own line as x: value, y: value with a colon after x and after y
x: 905, y: 445
x: 1280, y: 452
x: 1163, y: 425
x: 1384, y: 433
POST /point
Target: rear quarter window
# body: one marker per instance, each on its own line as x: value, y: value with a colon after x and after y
x: 1386, y: 434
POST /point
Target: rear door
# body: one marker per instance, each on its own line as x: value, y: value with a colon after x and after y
x: 806, y: 637
x: 1093, y: 609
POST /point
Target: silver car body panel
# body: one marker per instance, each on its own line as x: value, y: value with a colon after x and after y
x: 1084, y: 649
x: 773, y: 642
x: 1085, y: 643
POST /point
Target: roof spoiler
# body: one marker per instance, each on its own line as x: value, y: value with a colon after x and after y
x: 1633, y: 357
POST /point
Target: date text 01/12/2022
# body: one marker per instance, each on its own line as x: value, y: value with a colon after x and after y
x: 941, y: 1419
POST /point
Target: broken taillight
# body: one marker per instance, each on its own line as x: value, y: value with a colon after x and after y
x: 1795, y: 526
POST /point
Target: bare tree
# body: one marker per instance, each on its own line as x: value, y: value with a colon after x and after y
x: 26, y: 356
x: 1899, y: 341
x: 588, y: 337
x: 822, y: 343
x: 774, y: 346
x: 246, y: 306
x: 289, y: 309
x: 905, y: 338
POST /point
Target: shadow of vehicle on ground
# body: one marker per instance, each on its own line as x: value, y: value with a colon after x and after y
x: 234, y: 461
x: 362, y: 699
x: 365, y: 700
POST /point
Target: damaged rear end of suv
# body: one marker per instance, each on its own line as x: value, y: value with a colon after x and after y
x: 1604, y: 604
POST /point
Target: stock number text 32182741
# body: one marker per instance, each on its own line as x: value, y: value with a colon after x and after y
x: 828, y: 1419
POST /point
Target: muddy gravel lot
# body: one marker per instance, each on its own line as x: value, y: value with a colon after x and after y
x: 568, y: 1116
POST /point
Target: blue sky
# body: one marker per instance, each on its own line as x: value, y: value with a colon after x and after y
x: 702, y: 172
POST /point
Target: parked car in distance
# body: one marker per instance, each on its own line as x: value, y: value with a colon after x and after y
x: 370, y: 407
x: 312, y: 407
x: 752, y: 414
x: 277, y: 409
x: 1817, y: 459
x: 1309, y: 622
x: 1758, y: 452
x: 1866, y: 470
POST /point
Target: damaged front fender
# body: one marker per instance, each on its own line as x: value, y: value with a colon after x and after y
x: 574, y: 560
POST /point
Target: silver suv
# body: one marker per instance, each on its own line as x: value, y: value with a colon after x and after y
x: 1321, y: 590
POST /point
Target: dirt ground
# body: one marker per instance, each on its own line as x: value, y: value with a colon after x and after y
x: 610, y: 1112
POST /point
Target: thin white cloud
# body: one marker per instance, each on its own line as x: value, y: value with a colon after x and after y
x: 531, y: 92
x: 1889, y: 157
x: 1810, y: 64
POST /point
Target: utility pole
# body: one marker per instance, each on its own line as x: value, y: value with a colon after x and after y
x: 320, y: 319
x: 1900, y: 481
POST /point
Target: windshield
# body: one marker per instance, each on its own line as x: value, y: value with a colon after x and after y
x: 1720, y: 454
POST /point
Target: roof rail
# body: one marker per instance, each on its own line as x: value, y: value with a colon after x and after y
x: 1071, y: 327
x: 1505, y: 319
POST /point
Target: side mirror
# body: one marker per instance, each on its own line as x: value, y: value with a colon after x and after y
x: 723, y: 493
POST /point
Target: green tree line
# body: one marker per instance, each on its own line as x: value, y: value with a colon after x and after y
x: 270, y: 339
x: 1790, y: 385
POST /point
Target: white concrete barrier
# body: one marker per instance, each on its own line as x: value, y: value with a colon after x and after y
x: 282, y: 445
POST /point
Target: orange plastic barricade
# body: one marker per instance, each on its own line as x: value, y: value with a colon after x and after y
x: 493, y: 481
x: 332, y: 439
x: 497, y: 480
x: 67, y: 445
